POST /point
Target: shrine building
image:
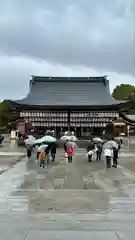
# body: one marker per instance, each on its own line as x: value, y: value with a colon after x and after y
x: 80, y: 104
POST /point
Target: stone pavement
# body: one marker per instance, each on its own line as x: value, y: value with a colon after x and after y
x: 67, y: 201
x: 9, y: 155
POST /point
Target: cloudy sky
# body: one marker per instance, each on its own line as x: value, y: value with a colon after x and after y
x: 65, y: 38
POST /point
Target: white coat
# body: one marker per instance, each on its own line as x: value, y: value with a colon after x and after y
x: 108, y: 152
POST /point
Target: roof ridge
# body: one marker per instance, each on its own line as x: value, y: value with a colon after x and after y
x: 38, y: 79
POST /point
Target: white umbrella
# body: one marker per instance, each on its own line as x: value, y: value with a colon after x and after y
x: 73, y: 138
x: 110, y: 145
x: 29, y: 141
x: 64, y: 138
x: 42, y: 147
x: 117, y: 140
x: 48, y: 139
x: 122, y: 134
x: 31, y: 137
x: 97, y: 140
x: 38, y: 141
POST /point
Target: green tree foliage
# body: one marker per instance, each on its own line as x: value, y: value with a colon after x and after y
x: 6, y: 114
x: 124, y: 92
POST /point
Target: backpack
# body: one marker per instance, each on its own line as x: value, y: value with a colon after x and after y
x: 42, y: 155
x: 70, y: 148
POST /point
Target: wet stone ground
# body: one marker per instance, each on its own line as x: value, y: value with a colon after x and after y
x: 68, y: 201
x: 9, y: 154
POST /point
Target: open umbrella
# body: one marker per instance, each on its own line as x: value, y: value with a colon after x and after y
x: 122, y: 134
x: 29, y: 141
x: 73, y: 138
x: 31, y: 137
x: 48, y: 139
x: 42, y: 147
x: 37, y: 141
x: 111, y: 145
x: 117, y: 140
x: 65, y: 137
x: 97, y: 140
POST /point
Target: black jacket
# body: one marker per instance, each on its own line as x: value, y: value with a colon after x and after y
x: 53, y: 148
x: 47, y: 150
x: 90, y: 147
x: 65, y: 146
x: 115, y: 152
x: 99, y: 148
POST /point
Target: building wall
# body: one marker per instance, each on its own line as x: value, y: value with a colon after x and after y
x: 83, y: 121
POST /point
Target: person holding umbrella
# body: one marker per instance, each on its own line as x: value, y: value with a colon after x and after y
x: 90, y: 150
x: 98, y: 146
x: 47, y: 151
x: 109, y: 152
x: 37, y: 149
x: 29, y: 149
x: 65, y: 148
x: 41, y: 147
x: 115, y: 157
x: 108, y: 156
x: 98, y: 151
x: 29, y: 143
x: 115, y: 154
x: 46, y: 140
x: 70, y: 150
x: 121, y: 138
x: 53, y: 151
x: 42, y: 159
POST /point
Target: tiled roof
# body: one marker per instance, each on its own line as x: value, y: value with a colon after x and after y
x: 64, y: 91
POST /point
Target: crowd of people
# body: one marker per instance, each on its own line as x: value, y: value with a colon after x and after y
x: 95, y: 152
x: 100, y: 149
x: 47, y: 153
x: 43, y: 153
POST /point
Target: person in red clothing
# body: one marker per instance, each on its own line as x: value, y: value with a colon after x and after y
x: 70, y: 151
x: 65, y: 148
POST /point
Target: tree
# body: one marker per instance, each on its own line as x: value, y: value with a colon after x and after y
x: 6, y: 114
x: 124, y: 92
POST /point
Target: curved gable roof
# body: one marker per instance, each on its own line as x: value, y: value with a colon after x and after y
x: 65, y: 91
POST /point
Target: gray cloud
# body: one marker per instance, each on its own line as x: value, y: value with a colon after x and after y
x: 97, y: 34
x: 15, y: 74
